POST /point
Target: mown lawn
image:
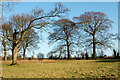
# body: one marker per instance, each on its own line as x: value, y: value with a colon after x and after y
x: 61, y: 69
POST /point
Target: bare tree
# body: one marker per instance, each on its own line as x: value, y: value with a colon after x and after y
x: 64, y: 31
x: 50, y: 54
x: 114, y: 51
x: 96, y: 25
x: 36, y: 20
x: 40, y: 56
x: 82, y: 55
x: 30, y: 41
x: 8, y: 6
x: 5, y: 43
x: 60, y: 51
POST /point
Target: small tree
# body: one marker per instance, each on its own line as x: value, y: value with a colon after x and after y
x: 82, y: 54
x: 40, y: 56
x: 30, y: 42
x: 86, y: 55
x: 50, y: 54
x: 114, y: 51
x: 101, y: 55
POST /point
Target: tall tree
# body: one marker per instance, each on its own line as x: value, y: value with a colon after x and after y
x: 64, y: 31
x: 5, y: 43
x: 4, y: 8
x: 36, y: 20
x: 30, y: 41
x: 96, y: 25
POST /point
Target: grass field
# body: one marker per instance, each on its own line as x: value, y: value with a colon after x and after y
x: 61, y: 69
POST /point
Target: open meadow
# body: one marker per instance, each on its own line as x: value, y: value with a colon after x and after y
x: 59, y: 39
x: 61, y: 69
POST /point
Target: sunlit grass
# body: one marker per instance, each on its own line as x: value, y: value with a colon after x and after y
x: 61, y: 69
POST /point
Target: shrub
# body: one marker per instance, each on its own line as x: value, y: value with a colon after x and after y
x: 105, y: 56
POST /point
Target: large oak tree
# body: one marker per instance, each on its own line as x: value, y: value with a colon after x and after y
x: 96, y: 25
x: 36, y: 20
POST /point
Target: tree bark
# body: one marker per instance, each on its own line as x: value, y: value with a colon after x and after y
x: 24, y: 53
x: 68, y: 50
x: 14, y: 48
x: 5, y: 53
x: 14, y: 55
x: 94, y: 48
x: 4, y: 45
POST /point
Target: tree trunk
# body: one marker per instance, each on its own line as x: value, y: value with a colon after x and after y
x: 14, y: 48
x: 14, y: 55
x: 94, y: 48
x: 5, y: 53
x: 68, y: 50
x: 24, y: 53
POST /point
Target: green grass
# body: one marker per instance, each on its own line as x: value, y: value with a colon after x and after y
x: 63, y: 69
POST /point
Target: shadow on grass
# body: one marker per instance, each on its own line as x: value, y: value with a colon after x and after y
x: 11, y: 65
x: 118, y: 60
x: 8, y: 64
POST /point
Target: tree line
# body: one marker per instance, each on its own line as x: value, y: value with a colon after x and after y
x: 90, y: 30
